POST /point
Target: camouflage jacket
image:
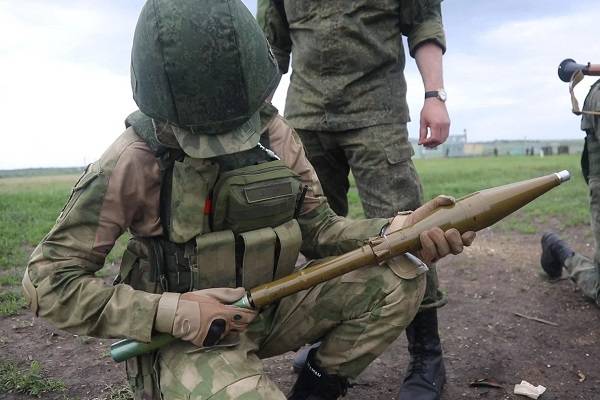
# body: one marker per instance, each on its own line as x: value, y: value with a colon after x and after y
x: 347, y: 57
x: 122, y: 192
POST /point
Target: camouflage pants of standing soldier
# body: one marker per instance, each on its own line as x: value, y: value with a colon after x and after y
x: 582, y: 270
x: 356, y: 316
x: 380, y: 160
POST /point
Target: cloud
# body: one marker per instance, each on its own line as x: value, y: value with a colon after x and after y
x: 502, y: 82
x: 57, y: 110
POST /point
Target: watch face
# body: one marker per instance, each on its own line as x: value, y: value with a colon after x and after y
x: 442, y: 95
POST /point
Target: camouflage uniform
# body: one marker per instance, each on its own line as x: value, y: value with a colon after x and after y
x: 358, y: 314
x: 584, y: 271
x: 201, y: 72
x: 347, y: 96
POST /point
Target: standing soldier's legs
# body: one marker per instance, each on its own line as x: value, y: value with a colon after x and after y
x: 387, y: 182
x: 356, y: 315
x: 329, y: 161
x: 380, y: 160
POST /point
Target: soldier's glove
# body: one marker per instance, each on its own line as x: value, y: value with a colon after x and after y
x: 435, y: 243
x: 202, y: 317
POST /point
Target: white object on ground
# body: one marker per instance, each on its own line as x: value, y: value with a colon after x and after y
x: 527, y: 389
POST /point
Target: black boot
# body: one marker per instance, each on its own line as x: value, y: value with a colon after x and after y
x: 554, y: 253
x: 426, y: 373
x: 315, y: 384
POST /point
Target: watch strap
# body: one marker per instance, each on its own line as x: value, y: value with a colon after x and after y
x: 432, y: 93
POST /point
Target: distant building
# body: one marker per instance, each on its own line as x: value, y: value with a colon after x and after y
x: 457, y: 146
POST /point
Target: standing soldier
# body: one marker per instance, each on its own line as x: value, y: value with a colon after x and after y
x: 347, y: 100
x: 556, y: 254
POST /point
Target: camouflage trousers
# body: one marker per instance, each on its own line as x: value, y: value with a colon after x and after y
x: 380, y: 160
x: 356, y: 316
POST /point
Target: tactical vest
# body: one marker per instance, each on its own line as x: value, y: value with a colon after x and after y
x: 228, y: 221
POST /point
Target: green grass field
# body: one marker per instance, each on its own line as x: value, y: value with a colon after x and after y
x: 30, y: 205
x: 566, y: 205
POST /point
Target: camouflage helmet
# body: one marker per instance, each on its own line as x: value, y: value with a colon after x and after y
x: 205, y: 67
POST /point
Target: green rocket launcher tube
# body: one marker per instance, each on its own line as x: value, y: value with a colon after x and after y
x: 473, y: 212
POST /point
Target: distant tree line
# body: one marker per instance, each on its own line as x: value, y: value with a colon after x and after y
x: 10, y: 173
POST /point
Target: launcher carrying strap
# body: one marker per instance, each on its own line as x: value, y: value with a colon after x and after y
x: 575, y: 79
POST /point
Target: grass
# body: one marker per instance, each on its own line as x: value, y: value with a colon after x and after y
x: 566, y: 205
x: 30, y: 381
x: 116, y: 393
x: 10, y: 278
x: 11, y: 303
x: 28, y: 208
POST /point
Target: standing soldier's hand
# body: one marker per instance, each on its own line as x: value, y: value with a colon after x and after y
x: 435, y: 123
x: 202, y: 317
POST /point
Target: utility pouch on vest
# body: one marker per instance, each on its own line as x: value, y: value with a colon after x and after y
x: 190, y: 189
x: 258, y: 260
x: 215, y: 261
x: 255, y: 196
x: 249, y: 259
x: 137, y: 267
x: 268, y: 253
x: 289, y: 240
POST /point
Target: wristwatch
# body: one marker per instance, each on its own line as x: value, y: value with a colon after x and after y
x: 440, y: 94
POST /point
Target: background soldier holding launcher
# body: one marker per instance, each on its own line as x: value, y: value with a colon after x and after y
x: 556, y: 254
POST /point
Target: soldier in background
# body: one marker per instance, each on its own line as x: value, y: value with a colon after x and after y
x: 556, y: 254
x: 217, y: 193
x: 347, y: 101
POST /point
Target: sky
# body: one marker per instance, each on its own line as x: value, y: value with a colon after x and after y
x: 65, y: 88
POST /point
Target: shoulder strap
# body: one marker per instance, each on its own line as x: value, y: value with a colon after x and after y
x: 166, y: 157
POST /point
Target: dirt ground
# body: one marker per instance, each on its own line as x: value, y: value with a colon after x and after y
x: 483, y: 338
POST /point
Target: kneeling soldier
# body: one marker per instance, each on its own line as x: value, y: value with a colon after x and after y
x: 218, y: 195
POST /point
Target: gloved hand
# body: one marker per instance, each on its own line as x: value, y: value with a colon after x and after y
x: 435, y: 243
x: 202, y: 317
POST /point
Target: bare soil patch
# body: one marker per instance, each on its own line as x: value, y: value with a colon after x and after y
x: 482, y: 337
